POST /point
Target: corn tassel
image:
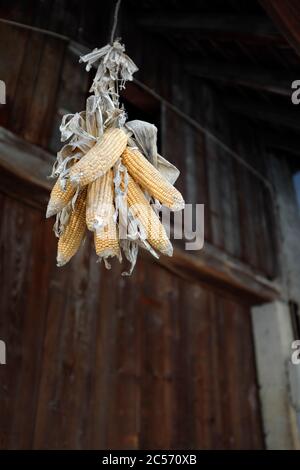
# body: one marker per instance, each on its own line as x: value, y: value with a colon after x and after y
x: 143, y: 212
x: 100, y: 158
x: 59, y: 197
x: 100, y: 200
x: 70, y: 241
x: 144, y: 173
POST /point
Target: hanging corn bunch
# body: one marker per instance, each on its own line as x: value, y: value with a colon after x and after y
x: 110, y: 178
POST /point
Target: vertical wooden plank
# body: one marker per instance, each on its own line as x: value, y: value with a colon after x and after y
x: 15, y: 245
x: 233, y: 373
x: 201, y: 182
x: 242, y: 404
x: 24, y: 282
x: 248, y: 391
x: 34, y: 319
x: 245, y: 196
x: 227, y: 186
x: 123, y: 425
x: 157, y: 402
x: 102, y: 396
x: 199, y: 339
x: 183, y: 379
x: 270, y: 226
x: 10, y: 64
x: 68, y: 356
x: 266, y: 208
x: 213, y: 174
x: 173, y: 145
x: 48, y: 404
x: 38, y: 125
x: 71, y: 96
x: 256, y: 206
x: 26, y: 82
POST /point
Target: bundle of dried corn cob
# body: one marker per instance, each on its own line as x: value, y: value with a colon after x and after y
x: 109, y: 172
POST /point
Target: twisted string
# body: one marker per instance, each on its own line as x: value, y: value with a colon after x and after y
x: 115, y: 22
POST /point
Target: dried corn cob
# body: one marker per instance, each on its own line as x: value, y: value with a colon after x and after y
x: 106, y: 240
x: 100, y: 201
x: 141, y: 209
x: 100, y: 216
x: 70, y: 240
x: 150, y: 179
x: 100, y: 158
x: 59, y: 197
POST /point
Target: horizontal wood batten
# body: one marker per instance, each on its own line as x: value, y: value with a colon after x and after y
x: 26, y: 161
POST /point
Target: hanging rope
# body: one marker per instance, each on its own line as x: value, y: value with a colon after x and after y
x: 115, y: 21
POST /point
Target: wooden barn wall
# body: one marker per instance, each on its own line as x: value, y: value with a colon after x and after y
x: 96, y: 360
x: 166, y: 364
x: 44, y: 80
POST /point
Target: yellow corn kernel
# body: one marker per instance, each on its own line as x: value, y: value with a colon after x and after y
x: 59, y: 197
x: 144, y: 173
x: 100, y: 201
x: 100, y: 158
x: 140, y: 208
x: 70, y: 241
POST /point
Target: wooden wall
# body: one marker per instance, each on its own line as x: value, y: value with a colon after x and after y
x: 239, y: 209
x: 96, y: 360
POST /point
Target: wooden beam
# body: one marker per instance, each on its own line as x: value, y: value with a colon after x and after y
x: 256, y: 28
x: 29, y: 165
x: 25, y: 160
x: 257, y: 78
x: 281, y: 116
x: 212, y: 266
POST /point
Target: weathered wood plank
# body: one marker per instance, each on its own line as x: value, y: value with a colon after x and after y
x: 199, y: 363
x: 282, y: 116
x: 221, y: 25
x: 212, y: 266
x: 38, y: 126
x: 71, y: 96
x: 10, y: 64
x: 124, y: 414
x: 24, y: 160
x: 273, y: 81
x: 20, y: 111
x: 61, y: 420
x: 213, y: 174
x: 24, y: 237
x: 157, y: 400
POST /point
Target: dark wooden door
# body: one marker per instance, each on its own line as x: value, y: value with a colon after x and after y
x: 96, y: 360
